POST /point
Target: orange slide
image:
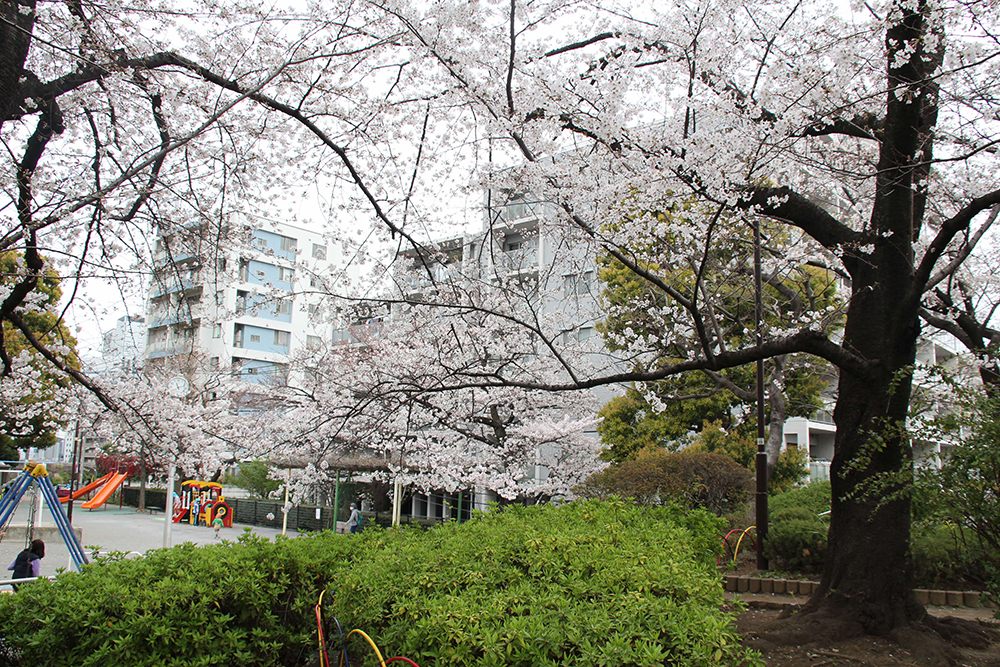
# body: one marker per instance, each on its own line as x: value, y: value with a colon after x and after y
x: 82, y: 491
x: 105, y: 492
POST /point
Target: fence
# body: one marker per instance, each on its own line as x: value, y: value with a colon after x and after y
x: 267, y: 513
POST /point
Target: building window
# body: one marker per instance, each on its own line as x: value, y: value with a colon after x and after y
x: 313, y: 308
x: 217, y: 331
x: 213, y: 362
x: 313, y: 342
x: 284, y: 307
x: 281, y: 338
x: 254, y: 338
x: 288, y: 244
x: 584, y: 334
x: 287, y: 275
x: 319, y: 251
x: 575, y: 284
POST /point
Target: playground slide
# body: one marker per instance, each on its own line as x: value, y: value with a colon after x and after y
x: 82, y: 491
x: 102, y: 496
x: 179, y: 513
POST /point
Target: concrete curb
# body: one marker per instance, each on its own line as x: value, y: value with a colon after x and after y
x: 732, y: 583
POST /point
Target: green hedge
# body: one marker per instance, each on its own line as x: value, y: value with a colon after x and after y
x: 588, y: 583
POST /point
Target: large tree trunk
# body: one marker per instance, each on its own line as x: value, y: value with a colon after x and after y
x: 868, y: 574
x: 868, y: 567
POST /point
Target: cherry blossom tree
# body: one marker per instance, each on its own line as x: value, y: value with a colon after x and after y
x: 865, y: 135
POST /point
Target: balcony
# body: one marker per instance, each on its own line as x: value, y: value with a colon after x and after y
x: 174, y: 286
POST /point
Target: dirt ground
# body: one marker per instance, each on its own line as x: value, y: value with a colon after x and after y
x: 754, y: 624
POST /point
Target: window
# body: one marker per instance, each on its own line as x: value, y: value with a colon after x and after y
x: 254, y: 338
x: 281, y: 338
x: 260, y: 242
x: 584, y: 334
x: 313, y: 342
x: 217, y: 331
x: 213, y: 362
x: 569, y: 284
x: 284, y: 307
x: 313, y: 308
x: 288, y: 244
x: 287, y: 275
x: 575, y: 284
x: 313, y: 282
x: 319, y: 251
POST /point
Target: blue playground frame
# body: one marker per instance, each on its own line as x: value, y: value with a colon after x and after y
x: 37, y: 473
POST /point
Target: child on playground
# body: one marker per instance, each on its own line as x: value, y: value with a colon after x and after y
x: 217, y: 524
x: 28, y: 563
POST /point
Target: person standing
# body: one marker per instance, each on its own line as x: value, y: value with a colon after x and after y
x: 354, y: 521
x: 28, y: 563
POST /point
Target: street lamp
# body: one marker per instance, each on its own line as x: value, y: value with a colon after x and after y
x: 761, y: 458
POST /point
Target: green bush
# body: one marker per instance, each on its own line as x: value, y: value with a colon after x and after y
x: 587, y: 583
x: 581, y: 584
x: 796, y: 537
x: 796, y: 544
x: 814, y: 497
x: 711, y: 481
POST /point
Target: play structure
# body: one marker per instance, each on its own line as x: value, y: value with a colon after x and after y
x: 107, y: 485
x: 345, y: 659
x: 732, y: 543
x: 200, y: 502
x: 36, y: 477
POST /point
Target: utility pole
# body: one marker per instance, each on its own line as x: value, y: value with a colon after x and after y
x: 761, y: 458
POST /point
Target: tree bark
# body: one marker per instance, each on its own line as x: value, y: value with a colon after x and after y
x: 868, y: 573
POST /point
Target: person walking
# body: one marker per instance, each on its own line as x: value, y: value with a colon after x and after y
x: 354, y: 521
x: 28, y: 563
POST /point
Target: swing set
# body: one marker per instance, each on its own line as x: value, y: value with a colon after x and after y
x: 36, y: 477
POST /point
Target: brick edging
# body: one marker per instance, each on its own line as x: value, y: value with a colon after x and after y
x: 736, y: 584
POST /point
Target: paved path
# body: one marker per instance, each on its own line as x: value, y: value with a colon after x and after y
x: 109, y: 529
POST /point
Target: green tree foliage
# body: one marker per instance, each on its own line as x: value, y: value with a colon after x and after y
x: 740, y: 446
x: 584, y: 583
x: 253, y: 477
x: 40, y: 415
x: 969, y: 478
x: 711, y: 481
x: 685, y: 402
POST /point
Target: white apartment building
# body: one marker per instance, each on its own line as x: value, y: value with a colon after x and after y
x: 815, y: 435
x: 237, y: 298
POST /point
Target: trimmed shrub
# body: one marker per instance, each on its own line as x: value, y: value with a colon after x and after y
x: 796, y: 537
x: 796, y: 543
x: 711, y: 481
x: 814, y: 497
x: 579, y: 584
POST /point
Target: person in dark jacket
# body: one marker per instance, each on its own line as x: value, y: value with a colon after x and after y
x: 28, y: 563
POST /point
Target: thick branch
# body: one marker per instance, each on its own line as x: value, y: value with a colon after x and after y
x: 785, y: 204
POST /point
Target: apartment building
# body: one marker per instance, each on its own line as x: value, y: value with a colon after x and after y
x: 238, y: 299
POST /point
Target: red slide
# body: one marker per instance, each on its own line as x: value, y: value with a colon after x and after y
x: 105, y: 492
x: 87, y: 489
